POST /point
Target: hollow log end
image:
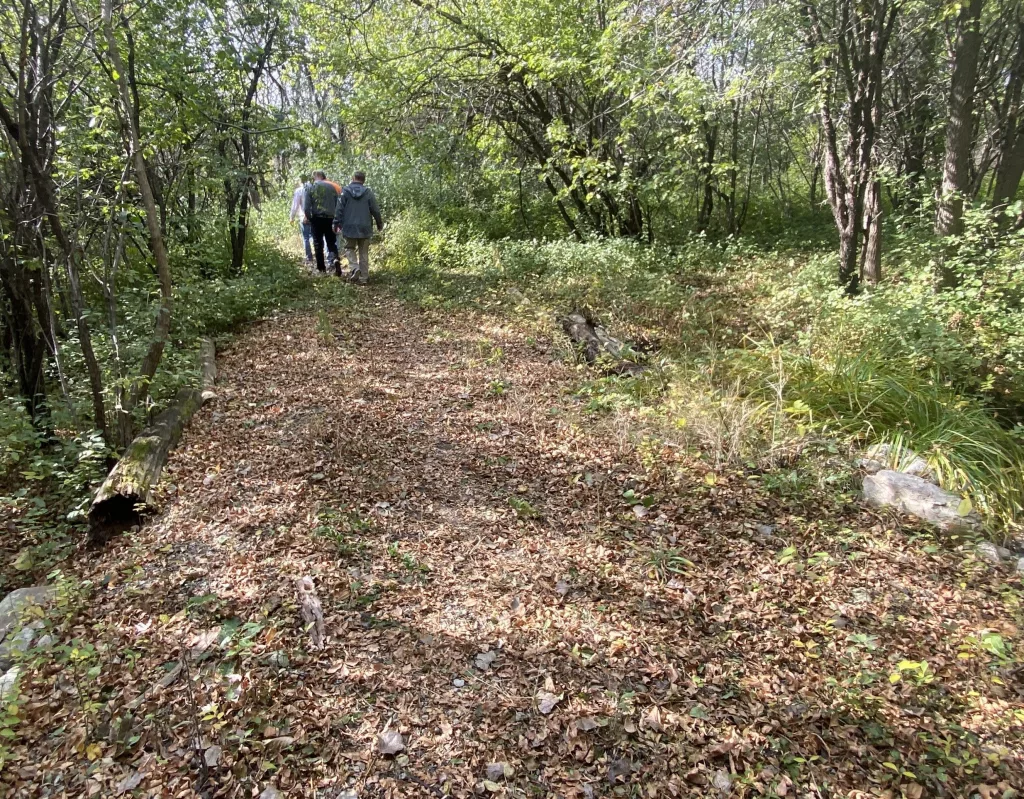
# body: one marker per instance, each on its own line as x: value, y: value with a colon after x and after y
x: 112, y: 515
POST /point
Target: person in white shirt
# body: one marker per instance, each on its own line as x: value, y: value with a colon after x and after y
x: 298, y: 213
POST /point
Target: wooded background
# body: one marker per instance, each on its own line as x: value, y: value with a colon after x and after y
x: 880, y: 142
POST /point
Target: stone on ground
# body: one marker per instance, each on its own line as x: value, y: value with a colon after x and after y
x: 993, y: 553
x: 917, y: 497
x: 14, y: 604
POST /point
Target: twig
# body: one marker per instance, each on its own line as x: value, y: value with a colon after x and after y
x: 197, y: 735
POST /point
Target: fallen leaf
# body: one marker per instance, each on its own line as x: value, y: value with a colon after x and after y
x: 546, y: 701
x: 651, y: 719
x: 485, y: 659
x: 390, y: 742
x: 212, y: 756
x: 130, y: 783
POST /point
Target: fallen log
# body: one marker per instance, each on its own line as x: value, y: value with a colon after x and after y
x: 600, y: 347
x: 128, y: 489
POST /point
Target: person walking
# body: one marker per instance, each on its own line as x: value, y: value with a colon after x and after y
x: 356, y: 212
x: 320, y: 204
x: 299, y: 214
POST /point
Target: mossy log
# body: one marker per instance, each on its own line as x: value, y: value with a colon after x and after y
x: 599, y: 347
x: 128, y: 488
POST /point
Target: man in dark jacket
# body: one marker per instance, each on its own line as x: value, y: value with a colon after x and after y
x: 356, y: 212
x: 319, y: 205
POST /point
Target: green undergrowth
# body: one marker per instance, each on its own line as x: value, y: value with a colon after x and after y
x: 759, y: 357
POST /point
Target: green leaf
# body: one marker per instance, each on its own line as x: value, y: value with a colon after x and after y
x: 965, y: 507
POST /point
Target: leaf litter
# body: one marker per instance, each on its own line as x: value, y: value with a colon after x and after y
x: 661, y: 654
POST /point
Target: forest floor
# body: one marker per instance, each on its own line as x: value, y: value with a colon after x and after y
x: 537, y: 600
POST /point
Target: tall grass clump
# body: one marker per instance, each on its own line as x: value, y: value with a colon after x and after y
x: 859, y: 398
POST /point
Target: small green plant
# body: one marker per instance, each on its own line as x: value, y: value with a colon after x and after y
x: 9, y: 721
x: 338, y: 528
x: 917, y: 671
x: 631, y: 498
x: 787, y: 555
x: 664, y: 563
x: 324, y: 328
x: 788, y: 483
x: 409, y: 563
x: 987, y: 642
x: 497, y: 388
x: 489, y: 352
x: 523, y: 509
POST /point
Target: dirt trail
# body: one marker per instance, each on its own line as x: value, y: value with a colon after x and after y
x: 493, y: 596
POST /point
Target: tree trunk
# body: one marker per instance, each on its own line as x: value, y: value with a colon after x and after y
x: 872, y: 265
x: 208, y: 367
x: 1011, y: 141
x: 956, y: 169
x: 1008, y: 177
x: 162, y: 326
x: 707, y: 172
x: 46, y: 192
x: 849, y: 274
x: 28, y: 346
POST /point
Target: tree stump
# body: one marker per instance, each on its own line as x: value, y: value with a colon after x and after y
x: 600, y: 347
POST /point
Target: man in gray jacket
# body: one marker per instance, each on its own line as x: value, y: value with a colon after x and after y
x: 356, y: 212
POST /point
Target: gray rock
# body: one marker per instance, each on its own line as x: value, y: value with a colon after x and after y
x: 993, y: 553
x: 878, y: 457
x: 45, y: 642
x: 1020, y: 566
x: 278, y: 660
x: 917, y: 497
x: 9, y: 682
x: 919, y: 468
x: 270, y: 792
x: 14, y: 604
x: 722, y: 781
x: 15, y: 644
x: 499, y: 771
x: 869, y: 465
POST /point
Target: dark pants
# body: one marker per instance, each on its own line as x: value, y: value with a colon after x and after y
x: 323, y: 231
x: 307, y: 234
